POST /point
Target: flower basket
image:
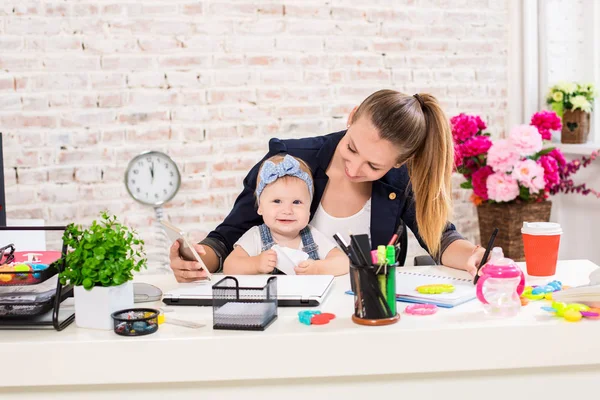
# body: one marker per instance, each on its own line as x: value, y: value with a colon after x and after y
x: 575, y: 127
x: 509, y: 218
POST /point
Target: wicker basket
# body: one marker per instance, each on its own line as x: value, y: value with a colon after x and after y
x: 575, y: 127
x: 509, y: 218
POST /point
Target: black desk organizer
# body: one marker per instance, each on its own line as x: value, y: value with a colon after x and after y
x: 61, y: 293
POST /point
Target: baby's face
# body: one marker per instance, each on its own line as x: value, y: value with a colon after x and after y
x: 285, y: 205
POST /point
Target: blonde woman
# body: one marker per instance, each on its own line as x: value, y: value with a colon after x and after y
x: 393, y: 162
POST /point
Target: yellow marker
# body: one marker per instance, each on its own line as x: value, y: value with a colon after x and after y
x: 438, y: 288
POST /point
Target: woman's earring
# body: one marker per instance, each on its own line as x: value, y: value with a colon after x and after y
x: 348, y: 126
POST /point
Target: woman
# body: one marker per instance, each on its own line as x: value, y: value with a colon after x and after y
x: 394, y: 162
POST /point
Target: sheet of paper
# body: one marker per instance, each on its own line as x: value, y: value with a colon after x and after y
x: 288, y: 259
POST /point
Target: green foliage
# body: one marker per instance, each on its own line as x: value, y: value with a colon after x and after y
x: 466, y: 185
x: 105, y: 254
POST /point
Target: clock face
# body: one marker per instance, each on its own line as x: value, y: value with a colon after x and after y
x: 152, y: 178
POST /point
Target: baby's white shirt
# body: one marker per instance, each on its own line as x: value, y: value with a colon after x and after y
x: 252, y: 244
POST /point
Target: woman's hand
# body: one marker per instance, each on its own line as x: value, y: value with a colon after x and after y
x: 186, y: 271
x: 474, y: 260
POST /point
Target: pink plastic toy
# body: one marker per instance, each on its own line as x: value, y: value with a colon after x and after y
x: 421, y: 309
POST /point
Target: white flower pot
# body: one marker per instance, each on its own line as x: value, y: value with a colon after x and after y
x: 94, y: 307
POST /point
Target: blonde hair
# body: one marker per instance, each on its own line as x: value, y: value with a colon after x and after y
x: 276, y: 159
x: 419, y: 127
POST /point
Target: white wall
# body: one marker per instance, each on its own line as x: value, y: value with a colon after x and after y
x: 569, y: 51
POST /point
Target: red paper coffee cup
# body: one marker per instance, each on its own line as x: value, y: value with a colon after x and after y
x: 540, y: 242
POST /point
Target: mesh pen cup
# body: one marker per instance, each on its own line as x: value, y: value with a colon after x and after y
x: 374, y: 289
x: 244, y: 308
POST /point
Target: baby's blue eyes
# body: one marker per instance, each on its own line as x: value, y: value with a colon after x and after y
x: 278, y: 201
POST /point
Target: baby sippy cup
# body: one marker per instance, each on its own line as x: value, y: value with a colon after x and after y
x: 500, y: 286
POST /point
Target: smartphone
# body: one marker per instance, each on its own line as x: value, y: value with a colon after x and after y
x: 186, y: 247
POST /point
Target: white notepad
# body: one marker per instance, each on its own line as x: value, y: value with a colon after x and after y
x: 408, y: 280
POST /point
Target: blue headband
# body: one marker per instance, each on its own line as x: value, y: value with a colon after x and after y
x: 289, y: 166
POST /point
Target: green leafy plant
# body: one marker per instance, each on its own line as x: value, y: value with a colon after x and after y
x: 105, y: 254
x: 571, y: 96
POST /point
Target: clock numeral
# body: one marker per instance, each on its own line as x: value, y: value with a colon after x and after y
x: 166, y: 165
x: 172, y: 174
x: 146, y: 194
x: 133, y: 181
x: 149, y: 159
x: 136, y: 171
x: 140, y: 164
x: 170, y: 183
x: 156, y: 196
x: 137, y: 190
x: 165, y: 191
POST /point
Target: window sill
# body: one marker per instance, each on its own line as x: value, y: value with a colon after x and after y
x: 584, y: 149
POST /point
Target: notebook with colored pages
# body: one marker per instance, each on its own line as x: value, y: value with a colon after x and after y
x: 409, y: 278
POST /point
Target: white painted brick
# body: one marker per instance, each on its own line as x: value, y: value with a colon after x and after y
x: 32, y: 102
x: 260, y: 27
x: 71, y: 63
x: 21, y: 195
x: 234, y: 77
x: 159, y: 44
x: 21, y: 63
x: 10, y: 102
x: 101, y: 45
x: 304, y: 43
x: 184, y: 62
x: 32, y: 176
x: 31, y: 26
x: 236, y: 44
x: 128, y: 62
x: 88, y: 118
x: 11, y: 43
x: 152, y: 79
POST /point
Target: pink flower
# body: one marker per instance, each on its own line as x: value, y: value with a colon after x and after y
x: 558, y: 156
x: 479, y: 181
x: 475, y: 146
x: 458, y: 158
x: 465, y: 127
x: 526, y: 139
x: 502, y: 187
x: 551, y: 175
x: 502, y: 156
x: 530, y: 174
x: 546, y: 121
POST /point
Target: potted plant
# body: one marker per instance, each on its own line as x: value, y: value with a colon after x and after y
x: 573, y: 102
x: 100, y: 264
x: 512, y: 178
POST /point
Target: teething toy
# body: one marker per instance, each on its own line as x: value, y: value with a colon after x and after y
x: 421, y: 309
x: 435, y: 288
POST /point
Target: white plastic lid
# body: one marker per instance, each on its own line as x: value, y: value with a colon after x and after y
x: 541, y: 228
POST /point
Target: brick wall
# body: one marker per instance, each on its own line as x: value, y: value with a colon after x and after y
x: 86, y: 85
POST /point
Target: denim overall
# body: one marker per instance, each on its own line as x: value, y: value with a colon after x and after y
x: 308, y: 244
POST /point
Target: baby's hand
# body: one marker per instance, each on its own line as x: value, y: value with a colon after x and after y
x: 308, y: 267
x: 267, y: 261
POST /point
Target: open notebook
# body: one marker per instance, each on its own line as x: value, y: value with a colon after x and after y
x: 409, y: 278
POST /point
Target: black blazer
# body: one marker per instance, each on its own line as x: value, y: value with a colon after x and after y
x: 391, y: 198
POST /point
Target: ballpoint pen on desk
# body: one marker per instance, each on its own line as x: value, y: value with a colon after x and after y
x: 485, y: 255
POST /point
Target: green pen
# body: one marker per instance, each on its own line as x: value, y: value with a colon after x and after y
x: 391, y: 279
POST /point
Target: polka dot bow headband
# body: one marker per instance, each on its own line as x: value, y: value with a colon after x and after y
x: 289, y: 166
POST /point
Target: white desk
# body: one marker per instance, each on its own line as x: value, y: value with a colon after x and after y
x: 455, y: 354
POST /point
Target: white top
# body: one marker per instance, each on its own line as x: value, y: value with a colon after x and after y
x: 359, y: 223
x: 250, y: 241
x: 461, y: 338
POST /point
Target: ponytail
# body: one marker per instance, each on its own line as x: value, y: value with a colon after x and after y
x: 430, y: 172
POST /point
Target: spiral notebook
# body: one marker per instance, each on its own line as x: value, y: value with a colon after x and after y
x: 409, y: 278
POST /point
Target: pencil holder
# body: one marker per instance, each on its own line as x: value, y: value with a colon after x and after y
x: 374, y: 289
x: 244, y: 308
